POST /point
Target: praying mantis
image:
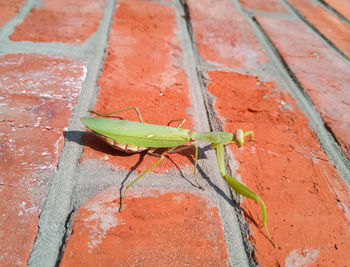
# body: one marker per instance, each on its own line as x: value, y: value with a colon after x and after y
x: 135, y: 137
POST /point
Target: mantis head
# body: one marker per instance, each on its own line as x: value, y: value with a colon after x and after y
x: 239, y: 136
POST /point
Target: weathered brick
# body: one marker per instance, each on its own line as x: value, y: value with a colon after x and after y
x: 307, y: 201
x: 18, y: 222
x: 223, y: 35
x: 321, y: 72
x: 65, y: 21
x: 9, y: 9
x: 268, y: 6
x: 328, y: 24
x: 37, y: 94
x: 154, y: 229
x: 144, y: 69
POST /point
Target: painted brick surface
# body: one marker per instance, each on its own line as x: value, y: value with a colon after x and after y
x: 9, y: 9
x: 66, y: 21
x: 333, y: 28
x: 37, y: 95
x: 218, y: 38
x: 155, y: 229
x: 143, y: 69
x: 311, y: 61
x: 287, y: 167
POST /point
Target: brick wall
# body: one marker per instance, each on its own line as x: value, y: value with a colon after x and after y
x: 279, y: 68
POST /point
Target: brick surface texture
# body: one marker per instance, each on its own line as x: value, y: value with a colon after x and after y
x: 327, y: 90
x: 279, y: 68
x: 65, y: 21
x: 152, y: 231
x: 217, y: 38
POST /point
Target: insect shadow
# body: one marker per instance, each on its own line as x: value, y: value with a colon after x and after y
x: 95, y: 143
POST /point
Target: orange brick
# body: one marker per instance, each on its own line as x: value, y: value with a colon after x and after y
x: 154, y: 229
x: 65, y: 21
x: 37, y: 95
x: 18, y: 222
x: 322, y: 73
x: 223, y: 35
x: 307, y: 202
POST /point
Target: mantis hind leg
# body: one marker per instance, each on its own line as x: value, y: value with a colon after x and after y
x: 138, y: 178
x: 120, y: 110
x: 240, y: 188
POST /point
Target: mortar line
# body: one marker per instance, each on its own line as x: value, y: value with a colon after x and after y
x: 191, y: 46
x: 58, y: 206
x: 334, y: 11
x: 202, y: 68
x: 7, y: 28
x: 303, y: 101
x: 294, y: 13
x: 55, y: 49
x: 313, y: 28
x: 238, y: 250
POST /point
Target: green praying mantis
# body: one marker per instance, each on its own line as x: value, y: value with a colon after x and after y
x: 135, y: 137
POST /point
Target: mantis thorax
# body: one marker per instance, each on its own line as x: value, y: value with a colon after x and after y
x: 223, y: 138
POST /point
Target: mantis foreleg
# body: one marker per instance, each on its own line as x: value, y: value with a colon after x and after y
x: 238, y: 187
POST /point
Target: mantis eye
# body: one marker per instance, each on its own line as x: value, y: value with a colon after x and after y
x: 239, y: 137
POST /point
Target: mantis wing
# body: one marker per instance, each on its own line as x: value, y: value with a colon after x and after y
x: 137, y: 133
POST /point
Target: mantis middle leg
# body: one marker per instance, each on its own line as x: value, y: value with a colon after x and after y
x: 177, y: 149
x: 181, y: 148
x: 182, y: 122
x: 151, y: 151
x: 240, y: 188
x: 120, y: 110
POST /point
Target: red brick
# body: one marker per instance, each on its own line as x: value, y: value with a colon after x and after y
x: 308, y: 204
x: 223, y: 35
x: 18, y: 222
x: 328, y: 24
x: 324, y: 76
x: 66, y: 21
x: 144, y: 69
x: 267, y: 6
x: 343, y: 7
x: 37, y: 96
x: 154, y: 229
x: 9, y: 9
